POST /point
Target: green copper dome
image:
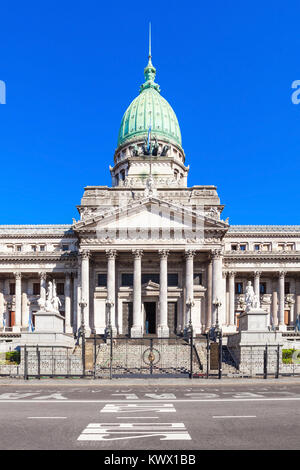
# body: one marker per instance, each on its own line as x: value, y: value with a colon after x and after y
x: 149, y: 108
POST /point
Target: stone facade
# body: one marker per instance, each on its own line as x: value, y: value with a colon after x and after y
x: 149, y: 255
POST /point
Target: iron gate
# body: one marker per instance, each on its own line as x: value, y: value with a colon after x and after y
x: 144, y: 357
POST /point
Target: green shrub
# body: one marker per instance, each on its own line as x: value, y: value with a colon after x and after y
x: 287, y: 355
x: 13, y: 356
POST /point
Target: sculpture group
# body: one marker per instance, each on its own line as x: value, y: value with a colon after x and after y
x: 52, y: 301
x: 251, y: 298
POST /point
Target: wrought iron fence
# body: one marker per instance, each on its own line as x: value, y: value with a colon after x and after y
x: 141, y: 357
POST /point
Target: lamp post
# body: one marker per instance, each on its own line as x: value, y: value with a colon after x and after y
x: 82, y: 306
x: 109, y: 305
x: 190, y: 303
x: 218, y: 334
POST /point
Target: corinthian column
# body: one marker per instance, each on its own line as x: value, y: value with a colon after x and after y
x: 281, y: 280
x: 189, y: 286
x: 85, y: 289
x: 68, y: 328
x: 216, y: 283
x: 163, y: 329
x: 111, y: 288
x: 137, y: 327
x: 231, y: 298
x: 18, y: 317
x: 257, y: 275
x: 43, y: 277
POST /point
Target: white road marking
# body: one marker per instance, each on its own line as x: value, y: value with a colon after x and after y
x: 122, y: 431
x: 234, y: 416
x: 46, y: 417
x: 136, y: 408
x: 138, y: 417
x: 192, y: 400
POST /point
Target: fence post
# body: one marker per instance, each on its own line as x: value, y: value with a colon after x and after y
x: 95, y: 355
x: 39, y: 362
x: 83, y: 352
x: 111, y: 353
x: 277, y: 362
x: 25, y: 363
x: 207, y: 356
x: 220, y: 356
x: 266, y: 362
x: 191, y: 351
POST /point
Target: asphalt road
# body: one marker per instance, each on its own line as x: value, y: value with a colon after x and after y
x: 165, y: 416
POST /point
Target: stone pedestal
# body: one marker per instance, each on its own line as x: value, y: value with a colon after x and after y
x: 256, y: 319
x: 49, y: 331
x: 248, y: 345
x: 46, y: 322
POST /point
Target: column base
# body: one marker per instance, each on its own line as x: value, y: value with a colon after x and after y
x: 229, y: 329
x: 282, y: 327
x: 113, y: 330
x: 136, y: 331
x: 163, y: 331
x: 16, y: 329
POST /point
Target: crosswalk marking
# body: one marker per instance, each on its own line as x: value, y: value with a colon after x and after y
x: 121, y: 431
x: 137, y: 408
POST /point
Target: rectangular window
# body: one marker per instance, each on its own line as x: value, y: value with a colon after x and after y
x: 60, y: 288
x: 287, y: 288
x: 197, y: 279
x: 36, y: 288
x: 147, y: 277
x: 12, y: 288
x: 102, y: 280
x: 33, y: 248
x: 243, y: 247
x: 127, y: 279
x: 257, y: 247
x: 42, y: 248
x: 239, y: 288
x: 19, y: 248
x: 172, y: 279
x: 65, y: 247
x: 263, y: 288
x: 234, y: 247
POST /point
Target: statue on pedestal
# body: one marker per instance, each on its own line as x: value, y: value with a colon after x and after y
x: 250, y: 297
x: 52, y: 302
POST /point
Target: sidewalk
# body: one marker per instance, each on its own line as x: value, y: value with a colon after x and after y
x: 161, y: 382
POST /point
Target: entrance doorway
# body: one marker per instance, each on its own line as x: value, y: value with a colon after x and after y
x: 286, y: 317
x: 150, y: 318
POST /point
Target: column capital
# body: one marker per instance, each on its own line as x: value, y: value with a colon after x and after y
x: 216, y: 253
x: 189, y: 254
x: 137, y: 253
x: 282, y: 273
x: 257, y: 273
x: 111, y: 254
x: 231, y: 273
x: 18, y: 276
x: 85, y: 254
x: 43, y: 275
x: 163, y: 253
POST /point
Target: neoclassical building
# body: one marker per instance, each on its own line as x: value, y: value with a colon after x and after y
x: 149, y: 255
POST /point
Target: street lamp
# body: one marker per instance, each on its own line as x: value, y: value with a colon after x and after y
x: 190, y: 304
x: 218, y: 334
x: 109, y: 305
x: 82, y: 306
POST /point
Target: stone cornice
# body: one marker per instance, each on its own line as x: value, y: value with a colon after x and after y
x: 264, y: 231
x: 268, y: 256
x: 39, y: 257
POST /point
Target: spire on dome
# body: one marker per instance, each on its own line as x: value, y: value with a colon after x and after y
x: 150, y: 70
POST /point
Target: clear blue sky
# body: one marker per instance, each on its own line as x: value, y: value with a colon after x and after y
x: 71, y: 69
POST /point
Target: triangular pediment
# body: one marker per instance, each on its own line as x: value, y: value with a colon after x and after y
x: 151, y: 219
x: 150, y: 286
